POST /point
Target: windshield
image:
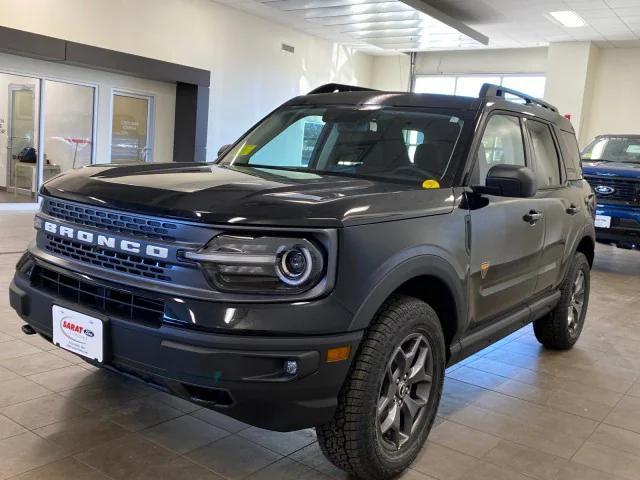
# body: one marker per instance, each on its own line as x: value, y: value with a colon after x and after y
x: 388, y: 144
x: 613, y: 149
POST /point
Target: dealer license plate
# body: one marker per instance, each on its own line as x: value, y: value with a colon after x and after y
x: 603, y: 221
x: 78, y: 333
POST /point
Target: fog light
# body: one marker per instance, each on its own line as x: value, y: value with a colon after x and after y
x: 291, y: 367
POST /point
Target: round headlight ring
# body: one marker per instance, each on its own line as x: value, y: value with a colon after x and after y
x: 286, y: 270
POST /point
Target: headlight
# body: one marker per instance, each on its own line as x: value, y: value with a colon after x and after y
x: 261, y: 264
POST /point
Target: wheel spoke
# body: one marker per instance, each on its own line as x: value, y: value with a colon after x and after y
x: 410, y: 409
x: 410, y: 356
x: 418, y: 368
x: 383, y: 403
x: 391, y: 419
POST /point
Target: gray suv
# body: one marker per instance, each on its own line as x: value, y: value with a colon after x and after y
x: 327, y: 267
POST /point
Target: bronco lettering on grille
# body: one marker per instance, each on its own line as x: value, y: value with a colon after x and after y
x: 106, y: 241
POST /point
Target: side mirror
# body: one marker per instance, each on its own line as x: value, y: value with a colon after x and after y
x: 224, y: 149
x: 510, y: 181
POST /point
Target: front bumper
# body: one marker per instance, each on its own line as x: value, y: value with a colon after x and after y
x: 240, y: 375
x: 625, y: 224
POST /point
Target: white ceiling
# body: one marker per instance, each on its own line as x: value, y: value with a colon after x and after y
x: 382, y: 26
x: 374, y: 26
x: 525, y: 23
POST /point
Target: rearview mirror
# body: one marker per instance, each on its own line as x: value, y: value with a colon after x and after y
x: 224, y: 149
x: 509, y: 181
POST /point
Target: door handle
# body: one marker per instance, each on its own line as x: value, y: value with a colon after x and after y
x: 533, y: 217
x: 572, y: 210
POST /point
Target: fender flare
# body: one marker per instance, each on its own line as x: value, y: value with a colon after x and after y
x: 421, y: 265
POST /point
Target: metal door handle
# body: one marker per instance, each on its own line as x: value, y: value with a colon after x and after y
x: 533, y: 217
x: 572, y: 210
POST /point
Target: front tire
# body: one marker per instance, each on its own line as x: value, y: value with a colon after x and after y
x: 560, y: 329
x: 388, y: 403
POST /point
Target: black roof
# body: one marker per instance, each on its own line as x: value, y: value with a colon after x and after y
x: 337, y: 94
x: 388, y: 99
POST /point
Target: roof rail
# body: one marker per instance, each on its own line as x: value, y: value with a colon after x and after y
x: 490, y: 90
x: 337, y: 87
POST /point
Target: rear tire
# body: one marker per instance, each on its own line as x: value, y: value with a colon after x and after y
x: 389, y: 400
x: 560, y: 329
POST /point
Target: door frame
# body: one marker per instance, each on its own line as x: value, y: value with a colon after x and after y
x: 10, y: 174
x: 151, y: 114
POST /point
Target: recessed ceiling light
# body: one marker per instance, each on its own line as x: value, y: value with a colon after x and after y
x: 568, y: 18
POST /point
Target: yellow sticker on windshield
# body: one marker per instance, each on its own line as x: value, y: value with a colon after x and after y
x: 428, y: 184
x: 247, y: 149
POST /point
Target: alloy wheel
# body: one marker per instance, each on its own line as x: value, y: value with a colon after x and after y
x: 576, y: 304
x: 405, y: 390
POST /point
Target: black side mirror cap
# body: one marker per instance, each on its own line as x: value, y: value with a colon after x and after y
x: 224, y: 149
x: 509, y: 181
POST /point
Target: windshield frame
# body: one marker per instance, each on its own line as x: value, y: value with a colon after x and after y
x: 452, y: 174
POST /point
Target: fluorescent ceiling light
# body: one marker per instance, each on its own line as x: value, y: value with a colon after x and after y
x: 568, y: 18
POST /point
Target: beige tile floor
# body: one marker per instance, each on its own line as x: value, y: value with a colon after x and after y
x: 513, y: 411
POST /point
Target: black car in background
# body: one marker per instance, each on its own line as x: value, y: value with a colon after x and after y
x: 328, y: 267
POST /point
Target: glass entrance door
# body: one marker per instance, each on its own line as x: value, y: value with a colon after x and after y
x: 19, y: 120
x: 132, y: 128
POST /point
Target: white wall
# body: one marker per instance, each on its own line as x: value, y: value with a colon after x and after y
x: 521, y: 60
x: 250, y: 73
x: 164, y: 93
x: 391, y: 73
x: 614, y: 100
x: 567, y: 79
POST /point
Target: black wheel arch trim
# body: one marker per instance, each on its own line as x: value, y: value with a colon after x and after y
x: 414, y: 267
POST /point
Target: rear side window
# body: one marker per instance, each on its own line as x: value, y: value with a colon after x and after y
x: 547, y: 163
x: 571, y: 155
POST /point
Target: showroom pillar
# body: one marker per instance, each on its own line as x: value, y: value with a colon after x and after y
x: 569, y: 80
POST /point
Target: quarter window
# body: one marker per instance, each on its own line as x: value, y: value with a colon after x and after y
x: 546, y: 155
x: 571, y: 155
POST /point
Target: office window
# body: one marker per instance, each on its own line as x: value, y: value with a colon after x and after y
x: 469, y: 85
x: 436, y: 84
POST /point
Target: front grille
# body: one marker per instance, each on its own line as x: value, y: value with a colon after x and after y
x: 109, y: 259
x: 624, y: 190
x: 108, y: 220
x: 112, y: 301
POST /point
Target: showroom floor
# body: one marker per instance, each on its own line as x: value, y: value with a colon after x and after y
x: 513, y: 411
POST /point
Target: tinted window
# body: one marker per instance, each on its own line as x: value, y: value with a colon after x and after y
x: 501, y: 144
x: 389, y: 144
x: 546, y: 156
x: 614, y: 149
x: 293, y: 146
x: 571, y: 155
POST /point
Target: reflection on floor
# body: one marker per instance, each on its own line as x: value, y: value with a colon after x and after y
x: 513, y: 411
x: 10, y: 197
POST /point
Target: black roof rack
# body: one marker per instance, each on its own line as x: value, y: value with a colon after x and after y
x: 337, y: 87
x: 490, y: 90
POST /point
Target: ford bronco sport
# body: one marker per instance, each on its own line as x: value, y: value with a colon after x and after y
x: 612, y: 166
x: 327, y: 267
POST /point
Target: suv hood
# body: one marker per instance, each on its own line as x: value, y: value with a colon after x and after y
x: 246, y: 196
x: 611, y: 169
